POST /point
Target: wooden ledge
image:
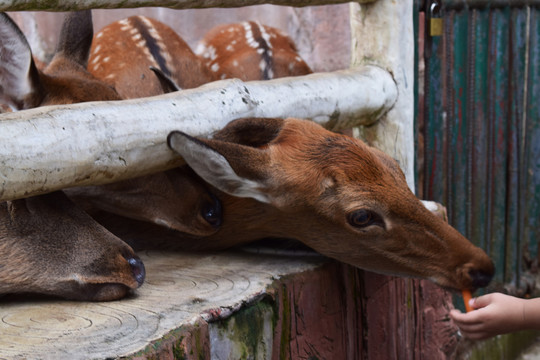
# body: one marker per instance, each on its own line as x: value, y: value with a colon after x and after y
x: 181, y: 291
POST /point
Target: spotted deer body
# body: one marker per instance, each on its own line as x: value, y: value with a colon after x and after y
x: 123, y: 52
x: 250, y: 51
x: 47, y: 243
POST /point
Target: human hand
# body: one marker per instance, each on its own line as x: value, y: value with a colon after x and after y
x: 495, y: 314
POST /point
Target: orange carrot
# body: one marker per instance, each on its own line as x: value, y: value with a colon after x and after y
x: 466, y: 297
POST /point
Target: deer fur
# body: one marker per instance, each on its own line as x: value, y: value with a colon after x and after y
x: 47, y: 243
x: 250, y: 51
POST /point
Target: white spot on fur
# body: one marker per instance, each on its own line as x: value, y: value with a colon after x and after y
x: 96, y: 49
x: 250, y: 40
x: 215, y: 67
x: 99, y: 35
x: 201, y: 48
x: 136, y: 37
x: 107, y: 59
x: 210, y: 53
x: 96, y: 59
x: 110, y: 76
x: 229, y: 48
x: 235, y: 63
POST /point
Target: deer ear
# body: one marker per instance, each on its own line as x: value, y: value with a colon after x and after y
x: 254, y: 132
x: 76, y: 37
x: 19, y: 77
x: 168, y: 85
x: 235, y: 169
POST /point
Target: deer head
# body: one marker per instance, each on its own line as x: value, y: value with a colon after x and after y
x: 250, y: 51
x: 48, y: 244
x: 292, y: 178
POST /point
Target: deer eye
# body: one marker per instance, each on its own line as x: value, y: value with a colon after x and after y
x: 211, y: 211
x: 363, y: 218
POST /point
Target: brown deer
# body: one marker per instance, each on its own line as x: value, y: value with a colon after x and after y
x: 292, y: 178
x: 47, y: 244
x: 122, y: 55
x: 154, y: 45
x: 250, y: 51
x: 124, y: 52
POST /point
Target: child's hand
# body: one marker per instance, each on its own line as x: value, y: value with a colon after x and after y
x: 495, y: 314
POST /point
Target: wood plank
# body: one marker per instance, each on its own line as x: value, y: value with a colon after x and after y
x: 180, y: 290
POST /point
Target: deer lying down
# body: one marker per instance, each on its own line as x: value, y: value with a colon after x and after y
x: 124, y: 52
x: 47, y: 244
x: 250, y: 51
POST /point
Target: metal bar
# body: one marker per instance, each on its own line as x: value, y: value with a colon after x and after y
x: 457, y: 125
x: 478, y: 100
x: 434, y: 118
x: 518, y: 45
x: 497, y: 115
x: 531, y: 157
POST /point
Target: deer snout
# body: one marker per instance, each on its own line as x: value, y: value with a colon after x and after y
x: 480, y: 278
x: 478, y: 272
x: 137, y: 268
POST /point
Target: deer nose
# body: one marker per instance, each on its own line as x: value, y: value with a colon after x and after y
x: 480, y: 278
x: 137, y: 268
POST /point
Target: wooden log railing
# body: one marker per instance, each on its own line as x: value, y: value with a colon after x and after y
x: 46, y: 149
x: 70, y: 5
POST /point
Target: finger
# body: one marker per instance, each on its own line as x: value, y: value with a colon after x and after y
x: 472, y: 328
x: 465, y: 318
x: 482, y: 301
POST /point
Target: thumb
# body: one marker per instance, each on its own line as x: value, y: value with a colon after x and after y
x: 481, y: 301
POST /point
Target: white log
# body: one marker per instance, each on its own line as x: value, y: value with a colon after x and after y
x: 393, y: 49
x: 49, y: 148
x: 70, y: 5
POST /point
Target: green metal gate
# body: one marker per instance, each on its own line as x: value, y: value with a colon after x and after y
x: 482, y: 129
